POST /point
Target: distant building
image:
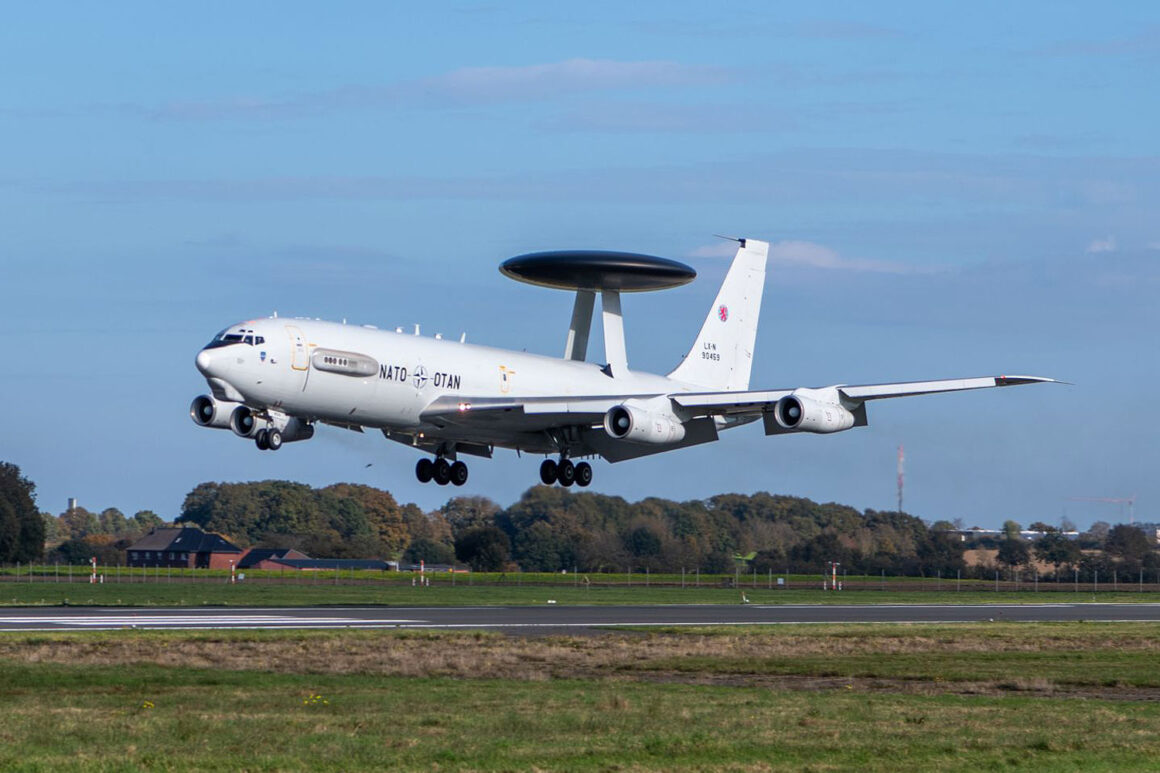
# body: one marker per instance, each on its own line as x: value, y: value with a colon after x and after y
x: 287, y: 558
x: 268, y: 558
x: 186, y: 547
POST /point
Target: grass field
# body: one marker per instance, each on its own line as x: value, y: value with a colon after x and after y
x: 221, y: 593
x: 966, y: 697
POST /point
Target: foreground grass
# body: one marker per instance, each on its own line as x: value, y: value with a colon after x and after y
x: 247, y: 593
x: 1056, y: 696
x: 65, y: 717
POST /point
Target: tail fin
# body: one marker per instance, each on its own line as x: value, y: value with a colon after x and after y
x: 722, y: 356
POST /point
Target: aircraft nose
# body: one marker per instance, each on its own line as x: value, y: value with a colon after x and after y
x: 205, y: 362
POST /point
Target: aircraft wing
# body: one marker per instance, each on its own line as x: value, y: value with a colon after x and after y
x: 523, y: 414
x: 741, y: 403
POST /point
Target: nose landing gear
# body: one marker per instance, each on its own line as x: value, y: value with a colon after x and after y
x: 441, y: 471
x: 565, y: 472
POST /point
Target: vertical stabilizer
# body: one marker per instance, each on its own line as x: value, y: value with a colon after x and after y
x: 722, y: 356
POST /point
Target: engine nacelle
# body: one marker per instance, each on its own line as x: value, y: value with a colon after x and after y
x: 244, y: 422
x: 207, y: 411
x: 798, y: 413
x: 636, y: 425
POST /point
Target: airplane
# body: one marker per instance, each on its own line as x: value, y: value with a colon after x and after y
x: 273, y: 380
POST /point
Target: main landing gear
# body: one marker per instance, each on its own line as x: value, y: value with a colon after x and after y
x: 441, y: 471
x: 565, y: 473
x: 268, y: 439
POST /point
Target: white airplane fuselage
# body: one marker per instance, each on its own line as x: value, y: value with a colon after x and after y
x: 311, y: 369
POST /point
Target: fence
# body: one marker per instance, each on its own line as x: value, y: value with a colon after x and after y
x: 1142, y: 581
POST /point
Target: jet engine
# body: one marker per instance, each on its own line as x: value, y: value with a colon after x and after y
x: 628, y: 422
x: 245, y: 422
x: 207, y: 411
x: 799, y: 413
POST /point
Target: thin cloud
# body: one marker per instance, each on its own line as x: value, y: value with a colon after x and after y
x: 464, y: 87
x: 1146, y: 42
x: 805, y: 254
x: 1107, y: 244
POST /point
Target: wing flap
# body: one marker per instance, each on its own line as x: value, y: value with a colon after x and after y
x: 756, y: 402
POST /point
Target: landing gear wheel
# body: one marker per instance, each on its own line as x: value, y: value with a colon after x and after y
x: 566, y: 472
x: 425, y: 470
x: 459, y: 473
x: 548, y: 471
x: 583, y: 474
x: 273, y: 439
x: 442, y: 472
x: 260, y: 440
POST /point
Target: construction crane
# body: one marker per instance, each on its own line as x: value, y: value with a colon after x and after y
x: 1121, y: 501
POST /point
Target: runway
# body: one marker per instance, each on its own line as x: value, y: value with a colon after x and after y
x: 553, y: 618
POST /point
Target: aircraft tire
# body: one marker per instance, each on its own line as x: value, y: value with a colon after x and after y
x: 273, y: 439
x: 425, y: 470
x: 260, y: 440
x: 583, y: 474
x: 459, y: 473
x: 442, y: 472
x: 566, y: 473
x: 548, y: 470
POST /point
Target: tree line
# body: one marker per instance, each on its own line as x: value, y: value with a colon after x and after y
x: 552, y: 529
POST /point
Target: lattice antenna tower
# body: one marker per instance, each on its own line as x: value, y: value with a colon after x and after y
x: 901, y: 475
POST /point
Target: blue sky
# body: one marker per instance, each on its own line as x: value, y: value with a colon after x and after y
x: 949, y: 192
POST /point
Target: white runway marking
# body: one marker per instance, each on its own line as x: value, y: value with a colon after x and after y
x: 202, y: 621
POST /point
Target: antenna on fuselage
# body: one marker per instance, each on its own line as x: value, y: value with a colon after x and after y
x: 588, y: 272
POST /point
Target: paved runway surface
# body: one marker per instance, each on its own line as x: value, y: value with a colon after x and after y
x: 544, y: 619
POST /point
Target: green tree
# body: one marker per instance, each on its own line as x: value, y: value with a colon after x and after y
x: 1011, y: 529
x: 465, y: 513
x: 145, y: 520
x: 1127, y: 542
x: 113, y: 521
x: 428, y: 551
x: 21, y: 526
x: 1058, y: 550
x: 1013, y: 553
x: 78, y: 522
x: 484, y: 548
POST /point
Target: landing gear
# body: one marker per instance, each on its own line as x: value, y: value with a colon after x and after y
x: 441, y: 471
x: 459, y: 473
x: 268, y: 439
x: 583, y: 474
x: 425, y: 470
x: 548, y: 472
x: 565, y: 472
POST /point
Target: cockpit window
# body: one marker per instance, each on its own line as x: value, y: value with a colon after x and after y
x: 225, y: 338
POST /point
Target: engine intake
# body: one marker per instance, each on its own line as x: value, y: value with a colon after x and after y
x: 798, y: 413
x: 243, y: 422
x: 627, y: 422
x: 207, y: 411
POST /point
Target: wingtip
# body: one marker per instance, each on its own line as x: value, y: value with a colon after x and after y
x: 1017, y: 380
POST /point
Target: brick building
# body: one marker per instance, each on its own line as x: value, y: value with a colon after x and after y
x: 186, y: 547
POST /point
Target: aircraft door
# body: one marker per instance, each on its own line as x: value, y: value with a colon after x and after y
x: 299, y: 357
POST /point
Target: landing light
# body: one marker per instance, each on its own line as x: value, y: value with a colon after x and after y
x: 465, y: 406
